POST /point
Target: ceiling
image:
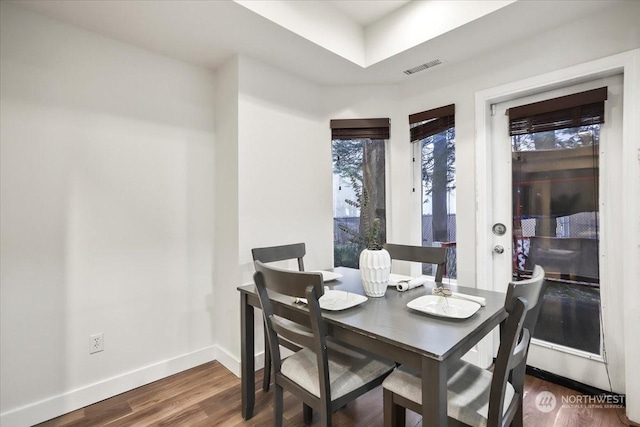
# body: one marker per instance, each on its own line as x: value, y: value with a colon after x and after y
x: 330, y: 42
x: 366, y: 12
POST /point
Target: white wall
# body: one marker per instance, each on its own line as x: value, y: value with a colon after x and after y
x: 273, y: 183
x: 284, y: 176
x: 107, y: 160
x: 227, y: 273
x: 285, y: 192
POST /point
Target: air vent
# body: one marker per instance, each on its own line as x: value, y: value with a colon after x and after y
x: 422, y: 67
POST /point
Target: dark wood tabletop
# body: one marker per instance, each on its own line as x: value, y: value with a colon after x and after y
x: 386, y: 326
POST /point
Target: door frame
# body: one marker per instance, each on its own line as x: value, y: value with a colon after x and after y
x: 627, y: 64
x: 604, y: 368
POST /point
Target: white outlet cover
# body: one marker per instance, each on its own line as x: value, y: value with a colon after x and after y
x: 96, y: 343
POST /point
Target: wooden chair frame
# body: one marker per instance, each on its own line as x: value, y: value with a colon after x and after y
x: 274, y: 254
x: 311, y: 287
x: 423, y: 254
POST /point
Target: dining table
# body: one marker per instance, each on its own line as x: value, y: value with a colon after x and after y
x: 429, y: 344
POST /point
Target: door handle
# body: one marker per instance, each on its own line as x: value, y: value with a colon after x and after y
x: 498, y: 249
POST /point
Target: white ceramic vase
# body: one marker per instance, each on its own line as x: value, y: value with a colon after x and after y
x: 375, y: 267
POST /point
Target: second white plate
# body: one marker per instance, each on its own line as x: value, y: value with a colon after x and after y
x: 444, y: 307
x: 328, y: 276
x: 340, y: 300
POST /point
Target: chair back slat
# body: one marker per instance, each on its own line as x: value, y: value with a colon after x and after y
x: 532, y: 290
x: 520, y: 352
x: 274, y: 254
x: 508, y: 343
x: 281, y: 253
x: 288, y: 282
x: 291, y: 332
x: 270, y: 280
x: 423, y: 254
x: 267, y: 313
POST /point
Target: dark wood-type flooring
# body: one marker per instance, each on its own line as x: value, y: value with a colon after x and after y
x: 209, y: 395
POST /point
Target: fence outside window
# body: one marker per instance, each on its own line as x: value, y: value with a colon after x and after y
x: 345, y: 253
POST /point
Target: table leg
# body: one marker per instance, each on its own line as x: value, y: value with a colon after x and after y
x: 247, y: 352
x: 434, y: 393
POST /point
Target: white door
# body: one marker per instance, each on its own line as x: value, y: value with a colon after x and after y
x: 542, y: 195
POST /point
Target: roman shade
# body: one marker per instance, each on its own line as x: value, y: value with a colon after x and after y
x: 579, y: 109
x: 360, y: 128
x: 431, y: 122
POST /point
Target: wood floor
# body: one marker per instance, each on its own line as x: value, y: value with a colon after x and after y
x: 209, y: 395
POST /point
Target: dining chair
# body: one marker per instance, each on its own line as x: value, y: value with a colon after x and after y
x: 423, y: 254
x: 324, y: 374
x: 274, y: 254
x: 476, y: 396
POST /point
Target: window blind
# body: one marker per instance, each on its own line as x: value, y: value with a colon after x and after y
x: 431, y: 122
x: 360, y: 128
x: 579, y: 109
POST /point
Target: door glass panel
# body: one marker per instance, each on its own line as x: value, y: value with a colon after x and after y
x: 556, y: 225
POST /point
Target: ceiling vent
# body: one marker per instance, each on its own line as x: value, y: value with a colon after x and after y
x: 422, y: 67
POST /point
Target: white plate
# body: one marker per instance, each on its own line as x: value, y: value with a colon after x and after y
x: 444, y: 307
x: 328, y: 276
x: 340, y: 300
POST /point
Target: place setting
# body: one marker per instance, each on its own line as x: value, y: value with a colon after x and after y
x: 333, y: 299
x: 443, y: 302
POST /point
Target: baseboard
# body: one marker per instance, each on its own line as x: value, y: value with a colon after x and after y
x: 568, y: 383
x: 55, y: 406
x: 233, y: 364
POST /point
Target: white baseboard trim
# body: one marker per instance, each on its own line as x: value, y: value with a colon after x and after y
x: 233, y: 364
x: 55, y: 406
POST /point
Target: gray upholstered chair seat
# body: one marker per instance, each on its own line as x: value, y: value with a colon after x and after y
x: 348, y: 370
x: 467, y: 395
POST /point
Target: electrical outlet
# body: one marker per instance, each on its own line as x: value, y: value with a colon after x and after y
x: 96, y: 343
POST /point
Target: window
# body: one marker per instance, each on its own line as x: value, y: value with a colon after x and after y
x: 358, y: 168
x: 433, y: 139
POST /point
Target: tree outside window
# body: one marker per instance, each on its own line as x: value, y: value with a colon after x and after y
x: 438, y: 195
x: 433, y: 135
x: 358, y: 165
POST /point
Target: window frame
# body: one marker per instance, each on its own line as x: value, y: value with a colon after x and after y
x: 433, y: 121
